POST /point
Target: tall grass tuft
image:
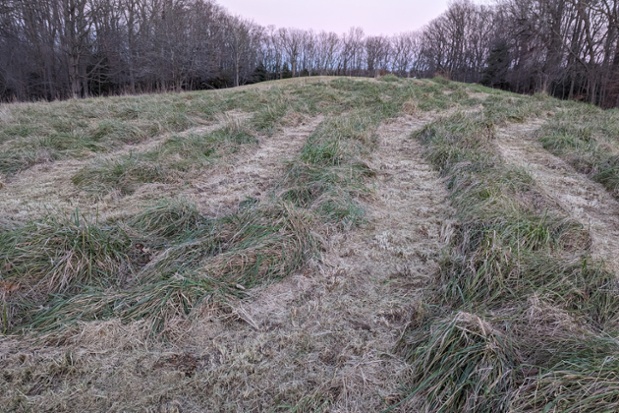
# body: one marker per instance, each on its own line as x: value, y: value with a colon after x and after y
x: 271, y: 112
x: 581, y: 376
x: 330, y: 172
x: 183, y: 152
x: 465, y: 364
x: 60, y: 255
x: 586, y: 138
x: 123, y: 174
x: 169, y: 219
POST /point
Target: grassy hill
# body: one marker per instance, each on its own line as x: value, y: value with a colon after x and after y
x: 317, y: 244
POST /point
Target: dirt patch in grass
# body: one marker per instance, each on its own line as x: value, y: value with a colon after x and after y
x: 584, y: 200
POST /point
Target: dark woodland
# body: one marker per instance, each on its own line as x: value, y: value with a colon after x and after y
x: 59, y: 49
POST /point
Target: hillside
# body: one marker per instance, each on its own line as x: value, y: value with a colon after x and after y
x: 310, y: 245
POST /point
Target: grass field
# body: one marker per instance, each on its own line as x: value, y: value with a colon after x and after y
x: 310, y: 245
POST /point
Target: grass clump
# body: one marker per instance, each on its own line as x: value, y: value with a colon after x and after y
x: 247, y: 246
x: 15, y: 161
x: 488, y: 263
x: 266, y: 245
x: 117, y: 130
x: 389, y: 78
x: 582, y: 378
x: 271, y: 113
x: 506, y: 108
x: 168, y: 219
x: 480, y: 363
x: 607, y: 174
x: 583, y: 289
x: 330, y: 172
x: 340, y: 209
x: 58, y: 255
x: 185, y: 152
x: 176, y: 155
x: 123, y: 174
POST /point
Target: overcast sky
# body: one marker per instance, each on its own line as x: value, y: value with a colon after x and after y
x: 374, y: 17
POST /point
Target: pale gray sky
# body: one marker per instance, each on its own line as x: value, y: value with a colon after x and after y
x: 374, y: 17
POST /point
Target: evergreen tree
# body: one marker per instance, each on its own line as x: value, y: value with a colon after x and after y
x: 286, y: 73
x: 497, y: 66
x: 260, y: 74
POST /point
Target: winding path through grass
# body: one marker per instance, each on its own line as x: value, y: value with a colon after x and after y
x: 352, y: 306
x: 253, y: 172
x: 584, y: 200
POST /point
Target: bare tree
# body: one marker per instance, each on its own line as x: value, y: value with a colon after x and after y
x: 377, y: 52
x: 56, y: 49
x: 405, y: 52
x: 291, y: 41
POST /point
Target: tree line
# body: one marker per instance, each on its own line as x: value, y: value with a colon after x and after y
x: 566, y: 48
x: 58, y: 49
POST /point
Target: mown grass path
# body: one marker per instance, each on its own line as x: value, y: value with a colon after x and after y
x: 30, y: 193
x: 253, y: 172
x: 584, y: 200
x: 338, y: 323
x: 371, y: 275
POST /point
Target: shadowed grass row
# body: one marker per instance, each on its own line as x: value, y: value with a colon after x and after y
x: 518, y: 308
